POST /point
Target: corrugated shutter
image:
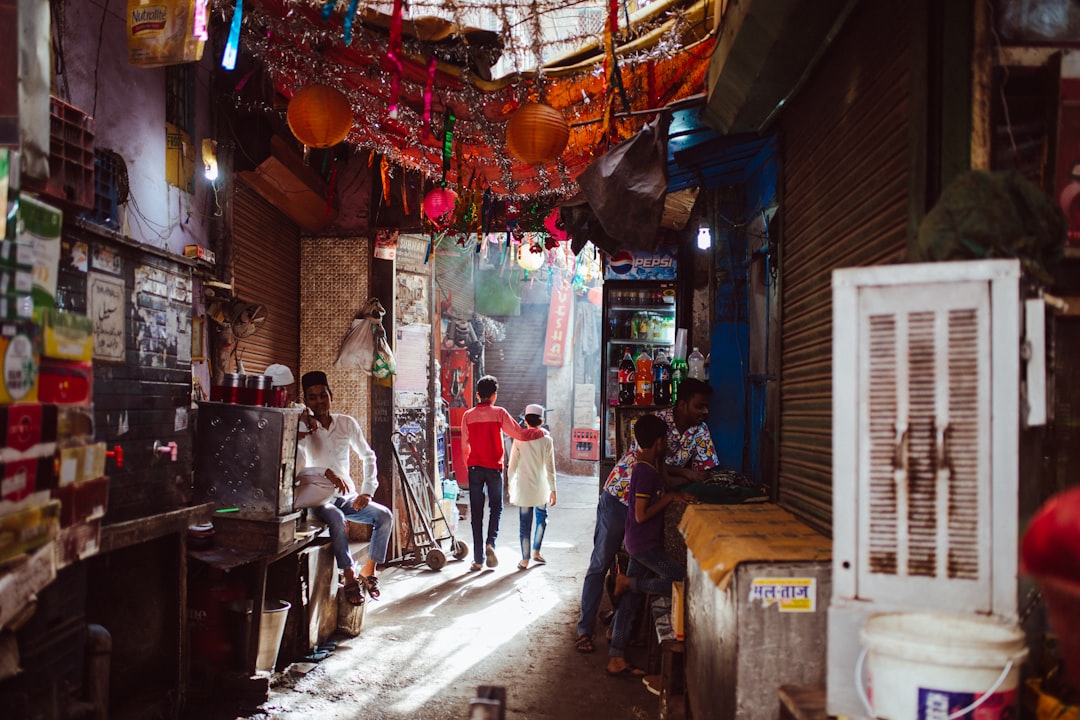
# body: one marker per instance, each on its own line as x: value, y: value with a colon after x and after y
x: 266, y: 267
x: 846, y: 184
x: 517, y: 361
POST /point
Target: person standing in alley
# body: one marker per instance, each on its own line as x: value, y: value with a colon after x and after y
x: 482, y: 429
x: 532, y: 485
x: 690, y: 454
x: 651, y: 568
x: 325, y: 441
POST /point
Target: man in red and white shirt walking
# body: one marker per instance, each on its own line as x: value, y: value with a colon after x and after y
x: 482, y: 428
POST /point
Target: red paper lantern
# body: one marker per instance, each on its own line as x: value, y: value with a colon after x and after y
x: 319, y: 116
x: 536, y: 134
x: 438, y: 204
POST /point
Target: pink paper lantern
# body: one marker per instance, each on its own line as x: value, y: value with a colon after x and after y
x: 552, y: 225
x: 439, y: 203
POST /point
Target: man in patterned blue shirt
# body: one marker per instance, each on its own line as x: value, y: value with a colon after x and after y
x: 689, y: 457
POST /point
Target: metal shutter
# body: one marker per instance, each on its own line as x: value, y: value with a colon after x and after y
x: 845, y: 184
x: 267, y: 270
x: 517, y: 361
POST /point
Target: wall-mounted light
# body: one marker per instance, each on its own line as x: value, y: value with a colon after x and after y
x: 704, y: 238
x: 209, y: 158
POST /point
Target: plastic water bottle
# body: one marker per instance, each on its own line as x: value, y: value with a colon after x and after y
x: 696, y: 365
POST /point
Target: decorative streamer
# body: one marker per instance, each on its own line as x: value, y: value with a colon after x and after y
x: 485, y: 212
x: 448, y: 144
x: 232, y: 45
x: 393, y: 48
x: 328, y: 10
x: 405, y: 194
x: 429, y: 89
x: 349, y: 14
x: 430, y: 247
x: 384, y: 174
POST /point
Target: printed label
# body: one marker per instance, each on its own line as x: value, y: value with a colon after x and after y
x: 791, y: 594
x: 939, y: 704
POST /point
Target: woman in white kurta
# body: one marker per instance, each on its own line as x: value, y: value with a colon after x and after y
x: 532, y: 485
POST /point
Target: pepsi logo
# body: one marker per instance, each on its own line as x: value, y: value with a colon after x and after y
x: 621, y: 263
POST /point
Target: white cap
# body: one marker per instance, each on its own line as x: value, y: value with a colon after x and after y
x: 281, y: 375
x: 534, y: 409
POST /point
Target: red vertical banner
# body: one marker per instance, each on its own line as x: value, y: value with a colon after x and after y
x: 558, y: 326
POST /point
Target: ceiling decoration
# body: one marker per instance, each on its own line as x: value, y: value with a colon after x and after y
x: 406, y: 80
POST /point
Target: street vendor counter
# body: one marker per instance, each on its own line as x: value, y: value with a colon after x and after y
x: 757, y: 588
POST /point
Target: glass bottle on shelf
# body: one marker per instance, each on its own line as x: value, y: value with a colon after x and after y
x: 627, y: 379
x: 662, y: 379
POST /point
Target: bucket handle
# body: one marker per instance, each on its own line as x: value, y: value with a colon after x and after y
x: 958, y: 714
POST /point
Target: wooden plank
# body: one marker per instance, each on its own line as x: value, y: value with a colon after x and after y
x: 132, y: 532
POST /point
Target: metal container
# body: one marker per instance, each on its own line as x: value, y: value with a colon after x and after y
x: 230, y: 390
x: 245, y: 459
x: 257, y: 390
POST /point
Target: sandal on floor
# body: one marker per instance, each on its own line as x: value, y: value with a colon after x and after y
x: 537, y: 557
x: 353, y: 594
x: 631, y: 671
x: 584, y: 644
x: 523, y: 565
x: 371, y: 584
x: 475, y: 566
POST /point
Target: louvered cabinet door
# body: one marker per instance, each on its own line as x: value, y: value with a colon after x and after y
x: 924, y: 472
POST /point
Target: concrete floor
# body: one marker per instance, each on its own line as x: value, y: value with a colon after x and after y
x: 434, y: 637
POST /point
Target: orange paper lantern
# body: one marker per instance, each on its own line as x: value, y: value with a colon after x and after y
x: 536, y: 134
x: 320, y: 116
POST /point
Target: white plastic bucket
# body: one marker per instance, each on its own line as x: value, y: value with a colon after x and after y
x: 933, y: 666
x: 271, y: 630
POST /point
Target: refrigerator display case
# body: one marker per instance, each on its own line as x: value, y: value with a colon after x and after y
x: 640, y: 316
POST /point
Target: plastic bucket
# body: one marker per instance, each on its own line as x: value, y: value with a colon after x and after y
x: 931, y: 665
x: 271, y: 630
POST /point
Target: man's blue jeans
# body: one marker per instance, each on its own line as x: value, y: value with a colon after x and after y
x: 378, y: 516
x: 607, y: 539
x: 652, y: 572
x: 525, y: 528
x: 481, y: 480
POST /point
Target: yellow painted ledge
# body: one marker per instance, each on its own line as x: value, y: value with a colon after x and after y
x: 722, y: 536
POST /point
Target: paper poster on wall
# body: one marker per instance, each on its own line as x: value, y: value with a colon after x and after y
x: 105, y: 306
x: 412, y: 353
x: 790, y: 594
x: 386, y: 242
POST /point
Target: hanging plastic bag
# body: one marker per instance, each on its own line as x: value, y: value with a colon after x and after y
x: 357, y: 350
x: 383, y: 367
x: 626, y: 187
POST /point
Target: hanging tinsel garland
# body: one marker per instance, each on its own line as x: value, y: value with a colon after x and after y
x: 283, y: 44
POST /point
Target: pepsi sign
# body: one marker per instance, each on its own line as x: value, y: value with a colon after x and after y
x: 640, y: 265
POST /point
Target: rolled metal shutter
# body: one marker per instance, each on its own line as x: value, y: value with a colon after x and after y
x: 517, y: 361
x: 846, y: 179
x: 266, y: 268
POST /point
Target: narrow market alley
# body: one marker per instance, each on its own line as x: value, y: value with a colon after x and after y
x: 434, y: 637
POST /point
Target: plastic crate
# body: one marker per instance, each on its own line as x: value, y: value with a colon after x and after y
x: 71, y: 156
x: 584, y: 444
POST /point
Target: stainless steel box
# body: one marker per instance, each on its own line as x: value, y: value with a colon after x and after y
x: 245, y: 457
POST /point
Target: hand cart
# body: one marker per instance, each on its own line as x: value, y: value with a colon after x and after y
x: 423, y: 511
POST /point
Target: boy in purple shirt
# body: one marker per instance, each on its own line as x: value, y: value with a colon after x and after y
x: 651, y: 569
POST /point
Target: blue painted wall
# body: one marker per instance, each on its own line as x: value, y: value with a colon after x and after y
x: 728, y: 407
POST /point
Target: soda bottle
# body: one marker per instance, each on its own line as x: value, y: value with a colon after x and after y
x: 627, y: 379
x: 644, y: 385
x: 678, y: 374
x: 696, y: 365
x: 662, y: 379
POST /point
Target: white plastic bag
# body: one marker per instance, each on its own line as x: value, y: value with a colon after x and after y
x: 313, y: 488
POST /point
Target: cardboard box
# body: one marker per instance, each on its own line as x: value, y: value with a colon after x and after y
x: 82, y: 501
x: 19, y: 478
x: 28, y: 528
x: 678, y: 610
x: 19, y: 358
x: 80, y: 463
x: 24, y: 425
x: 66, y: 335
x: 65, y: 382
x: 74, y: 424
x: 199, y: 253
x: 78, y: 542
x: 15, y: 254
x: 40, y: 227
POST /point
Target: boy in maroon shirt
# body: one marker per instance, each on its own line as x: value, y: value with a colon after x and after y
x: 651, y: 569
x: 482, y: 443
